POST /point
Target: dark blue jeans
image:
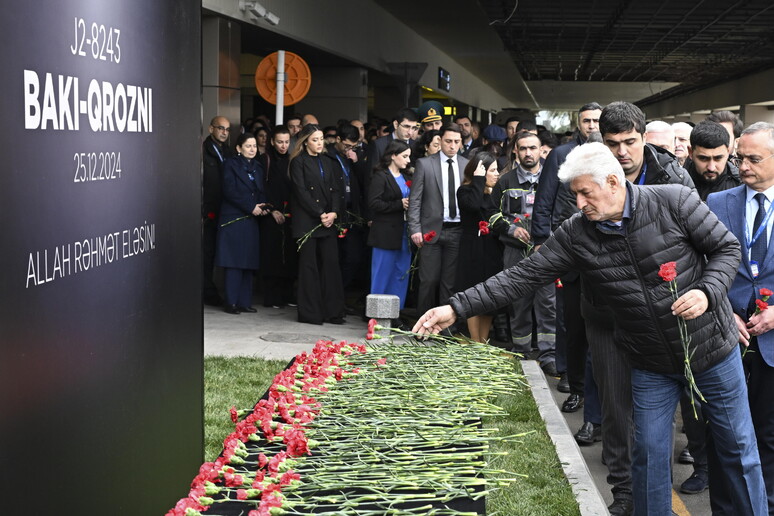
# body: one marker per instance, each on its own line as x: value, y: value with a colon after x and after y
x: 655, y: 398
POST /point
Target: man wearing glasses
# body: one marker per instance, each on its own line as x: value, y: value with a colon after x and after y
x: 747, y: 212
x: 404, y: 125
x: 215, y: 151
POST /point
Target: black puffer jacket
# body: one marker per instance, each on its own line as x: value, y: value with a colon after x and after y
x: 667, y: 223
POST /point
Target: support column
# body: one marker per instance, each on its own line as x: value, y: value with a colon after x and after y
x: 221, y: 49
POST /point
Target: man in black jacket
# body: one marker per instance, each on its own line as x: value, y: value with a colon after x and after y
x: 215, y: 151
x: 351, y: 173
x: 709, y: 166
x: 553, y: 205
x: 623, y: 131
x: 619, y: 243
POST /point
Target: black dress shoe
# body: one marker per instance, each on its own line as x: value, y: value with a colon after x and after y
x: 685, y: 457
x: 231, y: 309
x: 249, y: 309
x: 695, y: 484
x: 310, y: 322
x: 564, y: 384
x: 572, y: 403
x: 501, y: 335
x: 588, y: 434
x: 336, y: 320
x: 549, y: 368
x: 621, y: 507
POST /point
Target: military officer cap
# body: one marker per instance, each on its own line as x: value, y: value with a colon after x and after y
x: 430, y: 111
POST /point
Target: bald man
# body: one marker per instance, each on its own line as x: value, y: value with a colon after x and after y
x: 215, y: 151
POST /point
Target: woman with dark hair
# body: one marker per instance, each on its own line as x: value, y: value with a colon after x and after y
x: 388, y: 202
x: 238, y: 240
x: 279, y: 262
x: 428, y: 144
x: 481, y: 254
x: 316, y: 199
x: 262, y: 138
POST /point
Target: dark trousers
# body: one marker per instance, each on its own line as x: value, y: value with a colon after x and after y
x: 209, y: 233
x: 575, y: 335
x: 352, y: 254
x: 760, y: 385
x: 239, y: 286
x: 437, y: 269
x: 320, y: 292
x: 613, y: 377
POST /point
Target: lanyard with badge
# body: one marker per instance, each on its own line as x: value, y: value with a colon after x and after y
x: 755, y: 266
x: 346, y: 171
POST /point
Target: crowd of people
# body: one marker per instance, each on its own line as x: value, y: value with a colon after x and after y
x: 551, y: 243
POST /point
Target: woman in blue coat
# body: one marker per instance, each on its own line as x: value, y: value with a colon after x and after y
x: 388, y: 202
x: 244, y: 200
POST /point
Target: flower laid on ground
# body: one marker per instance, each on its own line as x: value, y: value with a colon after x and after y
x: 668, y: 272
x: 350, y: 429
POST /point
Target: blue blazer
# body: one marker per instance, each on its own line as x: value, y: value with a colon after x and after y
x: 729, y: 206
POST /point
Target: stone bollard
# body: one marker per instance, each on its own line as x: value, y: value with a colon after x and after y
x: 384, y: 308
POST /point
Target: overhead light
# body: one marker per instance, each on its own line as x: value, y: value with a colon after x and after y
x: 258, y: 11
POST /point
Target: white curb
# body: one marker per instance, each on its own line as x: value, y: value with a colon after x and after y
x: 586, y: 493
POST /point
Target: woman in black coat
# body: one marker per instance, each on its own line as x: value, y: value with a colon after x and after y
x: 481, y: 253
x: 316, y: 200
x: 238, y: 239
x: 279, y: 263
x: 388, y: 201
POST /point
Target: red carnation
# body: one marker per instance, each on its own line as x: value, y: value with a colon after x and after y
x: 526, y: 215
x: 483, y: 227
x: 760, y: 306
x: 766, y: 292
x: 429, y: 236
x: 211, y: 215
x: 408, y: 183
x: 516, y: 220
x: 558, y: 283
x: 234, y: 415
x: 668, y: 271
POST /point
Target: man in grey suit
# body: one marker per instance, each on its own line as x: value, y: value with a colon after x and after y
x: 433, y: 208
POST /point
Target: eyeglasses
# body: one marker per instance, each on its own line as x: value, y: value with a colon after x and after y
x: 408, y: 126
x: 348, y: 147
x: 221, y: 128
x: 752, y: 160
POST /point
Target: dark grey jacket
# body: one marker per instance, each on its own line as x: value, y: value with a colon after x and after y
x: 667, y: 223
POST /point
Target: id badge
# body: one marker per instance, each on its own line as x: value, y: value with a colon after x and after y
x: 530, y: 199
x: 754, y: 268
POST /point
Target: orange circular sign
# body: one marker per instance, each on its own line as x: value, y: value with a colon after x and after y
x: 297, y: 82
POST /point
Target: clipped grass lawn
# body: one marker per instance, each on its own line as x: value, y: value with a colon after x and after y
x: 241, y: 381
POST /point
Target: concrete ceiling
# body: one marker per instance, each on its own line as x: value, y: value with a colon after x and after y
x: 560, y: 54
